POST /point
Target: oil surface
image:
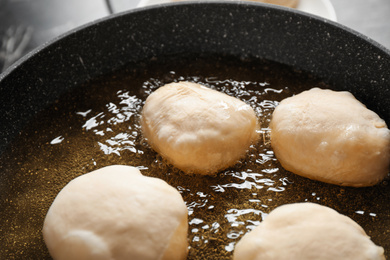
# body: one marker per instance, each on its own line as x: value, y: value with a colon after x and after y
x: 97, y: 125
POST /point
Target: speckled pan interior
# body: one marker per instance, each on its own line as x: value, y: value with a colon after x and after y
x: 340, y: 56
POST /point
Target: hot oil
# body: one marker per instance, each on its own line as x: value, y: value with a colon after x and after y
x: 98, y: 125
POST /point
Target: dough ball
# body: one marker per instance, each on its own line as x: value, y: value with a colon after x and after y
x: 197, y: 129
x: 117, y: 213
x: 307, y: 231
x: 331, y: 137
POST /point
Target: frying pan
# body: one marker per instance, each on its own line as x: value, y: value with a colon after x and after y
x: 341, y: 57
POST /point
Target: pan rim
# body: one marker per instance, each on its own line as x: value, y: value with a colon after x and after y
x: 251, y: 4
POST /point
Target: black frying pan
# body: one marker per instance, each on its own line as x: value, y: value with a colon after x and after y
x: 343, y: 58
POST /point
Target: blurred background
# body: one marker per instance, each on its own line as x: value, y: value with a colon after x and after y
x: 26, y: 24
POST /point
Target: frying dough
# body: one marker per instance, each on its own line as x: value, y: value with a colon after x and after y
x: 306, y: 231
x: 117, y: 213
x: 197, y: 129
x: 331, y: 137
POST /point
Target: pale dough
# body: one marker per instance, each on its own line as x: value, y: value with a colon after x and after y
x: 331, y: 137
x: 197, y: 129
x: 117, y: 213
x: 307, y: 231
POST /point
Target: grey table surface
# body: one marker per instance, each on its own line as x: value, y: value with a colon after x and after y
x: 26, y: 24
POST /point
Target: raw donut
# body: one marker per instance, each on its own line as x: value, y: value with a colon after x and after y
x: 117, y: 213
x: 331, y: 137
x: 197, y: 129
x: 306, y: 231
